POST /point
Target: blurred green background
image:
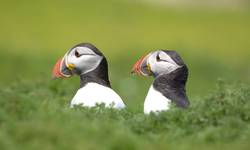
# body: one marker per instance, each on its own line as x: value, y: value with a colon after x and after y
x: 212, y: 38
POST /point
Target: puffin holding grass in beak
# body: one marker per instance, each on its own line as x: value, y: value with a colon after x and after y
x: 170, y: 75
x: 86, y: 61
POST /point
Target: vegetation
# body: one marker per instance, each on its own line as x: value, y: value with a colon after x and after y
x: 35, y: 111
x: 38, y: 117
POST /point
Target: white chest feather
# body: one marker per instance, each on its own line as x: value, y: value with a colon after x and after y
x: 93, y: 93
x: 155, y: 102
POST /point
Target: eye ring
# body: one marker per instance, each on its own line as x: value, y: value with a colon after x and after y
x: 77, y: 54
x: 158, y: 57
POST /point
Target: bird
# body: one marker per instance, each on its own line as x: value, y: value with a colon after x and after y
x: 88, y: 62
x: 170, y: 76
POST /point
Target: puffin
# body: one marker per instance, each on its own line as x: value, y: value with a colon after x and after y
x: 170, y: 76
x: 89, y: 63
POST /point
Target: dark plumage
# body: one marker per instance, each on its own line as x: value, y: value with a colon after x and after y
x: 173, y: 85
x: 99, y: 75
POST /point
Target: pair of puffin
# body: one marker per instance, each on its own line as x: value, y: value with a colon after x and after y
x: 85, y: 60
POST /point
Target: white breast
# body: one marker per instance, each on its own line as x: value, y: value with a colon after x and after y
x: 93, y: 93
x: 155, y: 102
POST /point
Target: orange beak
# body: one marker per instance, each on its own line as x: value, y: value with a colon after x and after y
x: 137, y: 67
x: 141, y: 67
x: 60, y: 70
x: 56, y: 73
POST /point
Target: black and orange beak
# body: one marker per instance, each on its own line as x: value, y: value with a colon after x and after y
x: 142, y: 67
x: 61, y: 69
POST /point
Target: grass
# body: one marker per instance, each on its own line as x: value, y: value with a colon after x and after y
x: 214, y: 43
x: 34, y: 110
x: 38, y: 116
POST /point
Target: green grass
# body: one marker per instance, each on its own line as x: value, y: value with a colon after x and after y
x: 34, y: 111
x: 214, y: 43
x: 37, y: 116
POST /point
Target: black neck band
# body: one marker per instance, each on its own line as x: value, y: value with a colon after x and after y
x: 99, y: 75
x: 172, y: 86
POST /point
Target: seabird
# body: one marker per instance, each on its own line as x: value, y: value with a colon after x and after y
x: 170, y: 75
x: 86, y: 61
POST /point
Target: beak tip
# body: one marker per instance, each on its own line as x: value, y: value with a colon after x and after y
x: 53, y: 77
x: 134, y: 72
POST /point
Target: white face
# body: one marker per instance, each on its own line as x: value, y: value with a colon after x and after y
x: 83, y: 59
x: 161, y: 63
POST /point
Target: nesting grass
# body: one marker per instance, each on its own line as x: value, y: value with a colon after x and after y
x: 36, y: 115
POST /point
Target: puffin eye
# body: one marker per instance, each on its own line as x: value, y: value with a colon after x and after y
x: 77, y: 54
x: 158, y: 58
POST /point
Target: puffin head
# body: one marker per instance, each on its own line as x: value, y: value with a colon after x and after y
x: 170, y: 73
x: 158, y: 63
x: 79, y: 60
